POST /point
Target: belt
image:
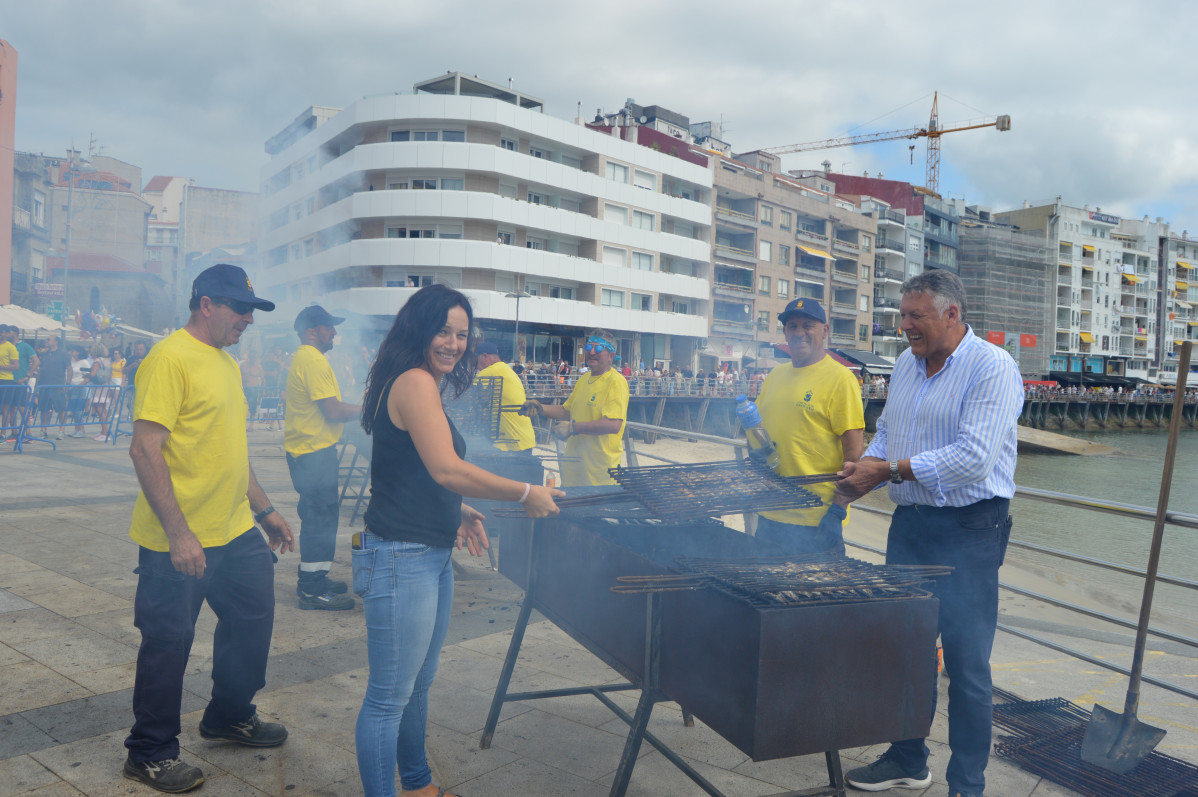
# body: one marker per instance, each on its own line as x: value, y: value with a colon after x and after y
x: 982, y: 504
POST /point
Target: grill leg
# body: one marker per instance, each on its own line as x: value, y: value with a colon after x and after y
x: 632, y: 744
x: 513, y: 648
x: 835, y: 773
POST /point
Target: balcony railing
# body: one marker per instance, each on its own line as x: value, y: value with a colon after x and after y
x: 844, y: 276
x: 813, y: 237
x: 22, y: 219
x: 735, y: 253
x: 894, y: 246
x: 846, y: 246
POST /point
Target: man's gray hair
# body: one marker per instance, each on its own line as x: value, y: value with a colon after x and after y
x: 945, y: 288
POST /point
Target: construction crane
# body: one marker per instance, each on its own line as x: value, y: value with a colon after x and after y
x: 932, y: 132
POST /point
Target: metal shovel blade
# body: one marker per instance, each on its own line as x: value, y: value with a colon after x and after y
x: 1118, y: 742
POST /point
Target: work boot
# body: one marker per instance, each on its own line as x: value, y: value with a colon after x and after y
x: 318, y: 583
x: 252, y: 732
x: 329, y: 601
x: 170, y: 775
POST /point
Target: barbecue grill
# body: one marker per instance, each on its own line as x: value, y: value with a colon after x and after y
x: 775, y: 680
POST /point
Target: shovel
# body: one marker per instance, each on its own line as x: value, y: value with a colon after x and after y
x: 1119, y: 742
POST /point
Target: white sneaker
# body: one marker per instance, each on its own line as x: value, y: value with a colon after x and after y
x: 100, y: 438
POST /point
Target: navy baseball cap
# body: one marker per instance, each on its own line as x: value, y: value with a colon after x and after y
x: 225, y: 281
x: 486, y: 347
x: 315, y: 316
x: 804, y: 306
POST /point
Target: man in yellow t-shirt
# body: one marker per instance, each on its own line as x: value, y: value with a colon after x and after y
x: 10, y: 362
x: 592, y: 419
x: 194, y: 522
x: 311, y: 430
x: 812, y: 409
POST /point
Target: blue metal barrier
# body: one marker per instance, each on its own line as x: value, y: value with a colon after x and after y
x: 266, y: 404
x: 14, y: 403
x: 82, y: 407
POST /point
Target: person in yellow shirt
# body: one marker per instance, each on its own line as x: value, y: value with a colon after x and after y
x: 591, y: 421
x: 311, y: 430
x: 812, y: 409
x: 516, y: 434
x: 194, y: 522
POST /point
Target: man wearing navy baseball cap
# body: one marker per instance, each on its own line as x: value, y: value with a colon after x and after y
x: 311, y: 430
x: 194, y: 522
x: 812, y: 409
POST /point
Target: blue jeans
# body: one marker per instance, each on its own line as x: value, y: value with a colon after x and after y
x: 238, y: 583
x: 407, y: 593
x: 314, y: 476
x: 973, y: 540
x: 791, y: 538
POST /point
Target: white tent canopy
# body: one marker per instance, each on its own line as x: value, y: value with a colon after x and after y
x: 27, y: 320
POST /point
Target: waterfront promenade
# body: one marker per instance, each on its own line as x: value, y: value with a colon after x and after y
x: 67, y: 648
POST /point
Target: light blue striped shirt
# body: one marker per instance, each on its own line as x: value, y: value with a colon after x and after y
x: 958, y: 427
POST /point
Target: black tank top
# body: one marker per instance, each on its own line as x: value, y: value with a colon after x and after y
x: 406, y: 503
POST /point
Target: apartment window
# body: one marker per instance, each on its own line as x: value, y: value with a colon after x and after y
x: 453, y: 184
x: 784, y: 255
x: 642, y: 302
x: 397, y: 185
x: 863, y: 332
x: 612, y: 298
x: 678, y: 307
x: 617, y: 172
x: 508, y: 143
x: 642, y: 261
x: 453, y: 135
x: 784, y: 219
x: 535, y: 198
x: 767, y: 214
x: 39, y: 209
x: 297, y: 211
x: 536, y: 153
x: 411, y: 232
x: 765, y: 250
x: 613, y: 256
x: 866, y: 243
x: 310, y: 205
x: 783, y: 289
x: 508, y: 190
x: 419, y: 280
x: 645, y: 180
x: 401, y: 135
x: 309, y: 246
x: 504, y: 237
x: 615, y: 213
x: 556, y: 292
x: 422, y: 184
x: 426, y: 135
x: 863, y: 305
x: 643, y: 221
x: 295, y: 251
x: 865, y: 273
x: 763, y: 285
x: 763, y: 319
x: 535, y: 243
x: 573, y: 163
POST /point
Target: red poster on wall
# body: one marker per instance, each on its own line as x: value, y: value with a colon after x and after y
x: 1026, y: 340
x: 997, y: 338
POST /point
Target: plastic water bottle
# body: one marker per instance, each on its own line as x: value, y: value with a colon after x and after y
x: 761, y: 447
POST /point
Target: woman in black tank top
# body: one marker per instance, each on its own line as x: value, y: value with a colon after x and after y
x: 402, y: 568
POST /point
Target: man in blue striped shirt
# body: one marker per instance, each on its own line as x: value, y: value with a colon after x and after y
x: 946, y: 443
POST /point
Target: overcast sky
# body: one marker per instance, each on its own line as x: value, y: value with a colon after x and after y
x: 1099, y: 93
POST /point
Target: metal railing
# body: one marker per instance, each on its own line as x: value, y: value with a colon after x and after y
x: 1178, y: 519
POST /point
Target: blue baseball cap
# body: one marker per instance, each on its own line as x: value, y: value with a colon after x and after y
x: 804, y: 306
x: 225, y: 281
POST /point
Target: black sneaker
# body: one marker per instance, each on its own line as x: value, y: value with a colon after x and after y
x: 171, y: 775
x: 320, y: 587
x: 885, y: 773
x: 251, y: 733
x: 328, y: 601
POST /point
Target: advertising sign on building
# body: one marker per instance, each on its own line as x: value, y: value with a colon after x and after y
x: 48, y: 290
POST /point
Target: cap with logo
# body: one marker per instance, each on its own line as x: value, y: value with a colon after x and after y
x: 315, y: 316
x: 225, y: 281
x: 486, y: 347
x: 805, y: 307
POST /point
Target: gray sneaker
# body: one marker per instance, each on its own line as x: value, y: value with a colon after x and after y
x: 328, y: 601
x: 885, y: 773
x: 170, y: 775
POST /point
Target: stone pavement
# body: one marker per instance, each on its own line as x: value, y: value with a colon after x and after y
x: 68, y: 646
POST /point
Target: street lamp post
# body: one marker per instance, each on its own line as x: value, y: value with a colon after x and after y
x: 518, y: 295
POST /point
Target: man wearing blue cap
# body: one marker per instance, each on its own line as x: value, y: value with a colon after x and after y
x: 194, y: 522
x: 311, y: 430
x: 812, y: 409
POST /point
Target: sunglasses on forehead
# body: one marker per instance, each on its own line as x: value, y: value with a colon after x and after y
x: 241, y: 308
x: 597, y: 344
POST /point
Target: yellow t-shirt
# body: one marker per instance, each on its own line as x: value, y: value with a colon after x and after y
x: 118, y: 371
x: 194, y: 390
x: 305, y: 429
x: 595, y: 397
x: 8, y: 356
x: 806, y: 410
x: 514, y: 429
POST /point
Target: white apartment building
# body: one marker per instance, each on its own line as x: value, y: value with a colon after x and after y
x: 1108, y: 289
x: 1179, y: 307
x: 545, y: 224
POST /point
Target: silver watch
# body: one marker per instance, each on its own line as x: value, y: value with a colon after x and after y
x: 895, y: 476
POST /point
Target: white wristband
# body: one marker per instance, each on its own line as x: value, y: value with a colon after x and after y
x: 527, y: 490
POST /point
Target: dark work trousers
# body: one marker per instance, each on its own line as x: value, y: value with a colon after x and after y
x: 314, y: 477
x: 973, y: 540
x: 238, y: 584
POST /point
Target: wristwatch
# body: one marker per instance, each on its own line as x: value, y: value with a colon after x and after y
x: 895, y: 476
